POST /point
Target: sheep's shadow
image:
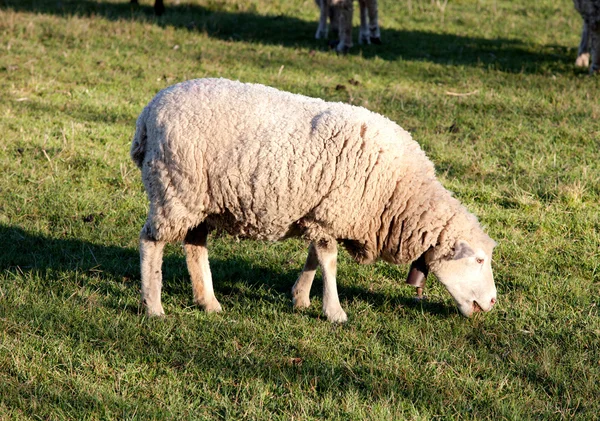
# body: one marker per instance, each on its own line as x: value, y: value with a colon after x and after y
x: 31, y: 253
x: 114, y: 267
x: 508, y: 55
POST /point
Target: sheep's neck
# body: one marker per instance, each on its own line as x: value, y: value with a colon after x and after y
x: 416, y: 219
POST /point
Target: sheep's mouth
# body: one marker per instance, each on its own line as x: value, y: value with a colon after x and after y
x: 476, y: 307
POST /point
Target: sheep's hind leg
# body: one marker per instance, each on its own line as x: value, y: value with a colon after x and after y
x: 151, y: 256
x: 301, y: 289
x: 196, y: 255
x: 595, y: 50
x: 326, y: 251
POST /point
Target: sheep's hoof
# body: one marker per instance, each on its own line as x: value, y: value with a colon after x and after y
x: 321, y: 34
x: 213, y: 307
x: 364, y: 39
x: 342, y: 49
x: 300, y: 302
x: 376, y: 40
x: 583, y: 60
x: 336, y: 316
x: 155, y: 312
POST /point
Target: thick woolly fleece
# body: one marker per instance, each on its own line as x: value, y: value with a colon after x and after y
x: 590, y: 12
x: 260, y: 163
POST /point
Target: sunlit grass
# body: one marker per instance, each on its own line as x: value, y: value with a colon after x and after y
x: 519, y: 145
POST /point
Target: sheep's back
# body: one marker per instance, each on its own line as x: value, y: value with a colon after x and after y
x: 267, y: 164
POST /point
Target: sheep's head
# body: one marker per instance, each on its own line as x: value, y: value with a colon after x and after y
x: 466, y: 273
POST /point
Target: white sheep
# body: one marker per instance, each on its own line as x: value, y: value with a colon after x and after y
x: 264, y: 164
x: 340, y: 16
x: 589, y: 47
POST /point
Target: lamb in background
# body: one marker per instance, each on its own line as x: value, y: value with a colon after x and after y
x: 340, y: 17
x: 264, y: 164
x: 589, y: 47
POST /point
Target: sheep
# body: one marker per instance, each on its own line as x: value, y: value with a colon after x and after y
x: 340, y: 16
x: 264, y: 164
x: 589, y: 47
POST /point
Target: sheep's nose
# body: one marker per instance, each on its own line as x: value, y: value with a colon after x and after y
x: 493, y: 301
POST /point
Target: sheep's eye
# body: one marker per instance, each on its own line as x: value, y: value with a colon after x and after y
x: 479, y: 260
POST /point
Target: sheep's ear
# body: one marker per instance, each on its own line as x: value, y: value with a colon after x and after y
x: 462, y: 249
x: 417, y: 275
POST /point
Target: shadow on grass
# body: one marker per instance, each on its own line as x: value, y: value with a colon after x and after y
x: 508, y: 55
x: 201, y: 350
x: 111, y: 267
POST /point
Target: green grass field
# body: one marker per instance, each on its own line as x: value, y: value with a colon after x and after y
x: 521, y: 151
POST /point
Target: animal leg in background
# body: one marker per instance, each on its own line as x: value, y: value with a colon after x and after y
x: 340, y: 17
x: 595, y: 49
x: 342, y: 12
x: 323, y: 12
x: 589, y: 47
x: 583, y: 55
x: 369, y: 32
x: 327, y: 11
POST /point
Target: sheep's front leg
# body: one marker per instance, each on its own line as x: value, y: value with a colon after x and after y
x: 326, y: 251
x: 151, y: 256
x: 322, y: 28
x: 364, y: 37
x: 301, y: 289
x: 583, y: 54
x: 196, y: 255
x: 344, y: 14
x: 375, y: 33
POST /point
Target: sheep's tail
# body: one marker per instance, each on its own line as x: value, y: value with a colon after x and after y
x: 138, y: 146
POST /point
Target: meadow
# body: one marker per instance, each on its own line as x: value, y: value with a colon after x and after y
x: 487, y: 87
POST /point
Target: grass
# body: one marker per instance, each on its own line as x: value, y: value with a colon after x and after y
x: 522, y: 151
